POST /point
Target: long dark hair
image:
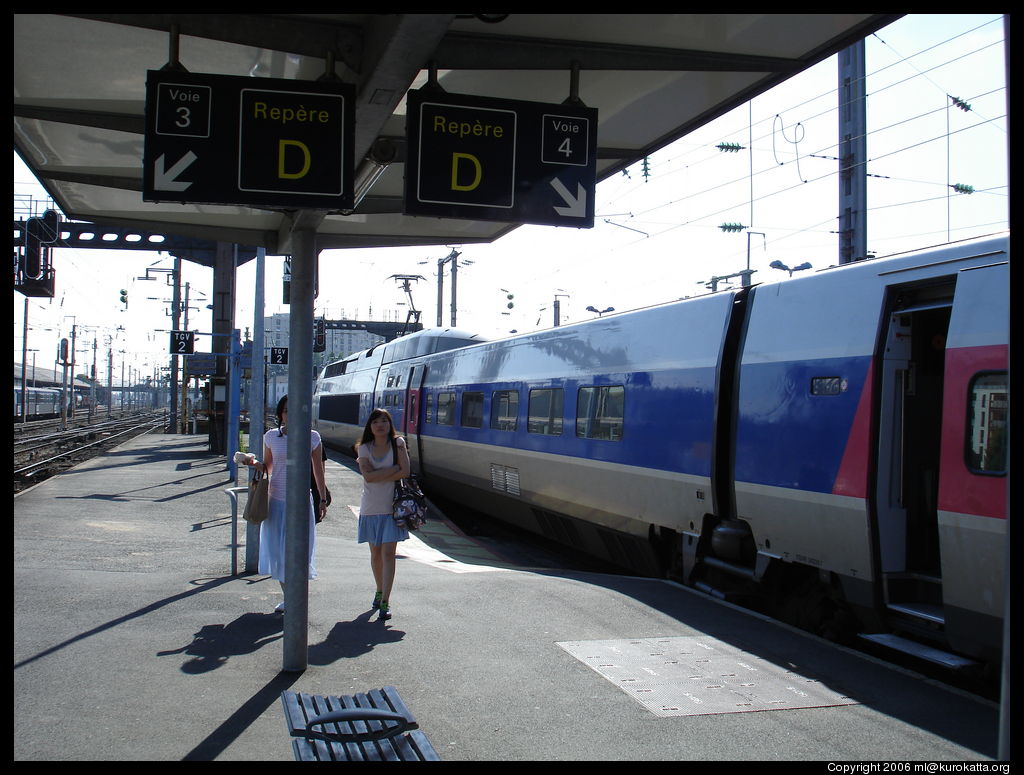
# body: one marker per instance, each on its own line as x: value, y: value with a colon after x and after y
x: 281, y: 406
x: 367, y: 436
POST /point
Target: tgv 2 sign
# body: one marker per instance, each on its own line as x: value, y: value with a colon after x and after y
x: 217, y: 139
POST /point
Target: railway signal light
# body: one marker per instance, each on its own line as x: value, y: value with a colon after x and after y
x: 320, y: 335
x: 124, y: 297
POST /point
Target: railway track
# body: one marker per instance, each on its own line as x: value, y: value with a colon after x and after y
x: 42, y: 450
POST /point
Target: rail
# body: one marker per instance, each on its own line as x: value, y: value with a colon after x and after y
x: 38, y: 465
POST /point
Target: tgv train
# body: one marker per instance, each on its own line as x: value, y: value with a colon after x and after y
x: 836, y: 443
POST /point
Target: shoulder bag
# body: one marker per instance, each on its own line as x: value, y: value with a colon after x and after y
x: 259, y: 494
x: 410, y: 504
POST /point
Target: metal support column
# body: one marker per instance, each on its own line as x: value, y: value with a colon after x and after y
x: 232, y: 407
x: 853, y: 156
x: 222, y: 325
x: 257, y: 405
x: 297, y: 500
x: 172, y: 419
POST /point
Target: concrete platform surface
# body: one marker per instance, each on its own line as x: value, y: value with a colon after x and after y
x: 132, y: 641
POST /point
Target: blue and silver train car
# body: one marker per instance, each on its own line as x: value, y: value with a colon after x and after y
x: 36, y: 402
x: 836, y: 442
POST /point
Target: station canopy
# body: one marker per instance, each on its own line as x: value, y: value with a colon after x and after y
x: 80, y: 91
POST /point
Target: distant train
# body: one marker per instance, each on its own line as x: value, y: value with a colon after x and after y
x: 40, y: 403
x: 835, y: 444
x: 44, y: 402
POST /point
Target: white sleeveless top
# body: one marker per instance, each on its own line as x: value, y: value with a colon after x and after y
x: 278, y: 445
x: 378, y: 497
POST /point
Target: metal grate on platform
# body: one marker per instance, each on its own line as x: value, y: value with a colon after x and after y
x: 691, y: 676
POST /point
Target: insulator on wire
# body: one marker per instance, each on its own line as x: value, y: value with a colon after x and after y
x: 960, y: 104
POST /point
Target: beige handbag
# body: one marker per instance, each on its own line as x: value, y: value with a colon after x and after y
x: 259, y: 494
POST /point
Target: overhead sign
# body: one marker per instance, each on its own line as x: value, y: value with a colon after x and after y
x: 483, y: 158
x: 279, y: 356
x: 201, y: 363
x: 218, y: 139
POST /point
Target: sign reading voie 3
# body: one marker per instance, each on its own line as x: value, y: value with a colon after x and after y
x: 484, y: 158
x: 218, y: 139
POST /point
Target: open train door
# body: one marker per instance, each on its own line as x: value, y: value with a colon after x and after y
x: 911, y: 395
x: 972, y: 497
x: 413, y: 415
x: 941, y: 484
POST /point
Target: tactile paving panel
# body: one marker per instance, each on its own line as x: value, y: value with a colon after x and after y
x: 700, y: 676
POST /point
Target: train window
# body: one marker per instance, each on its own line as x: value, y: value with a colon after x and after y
x: 988, y: 404
x: 599, y: 412
x: 335, y: 369
x: 504, y: 410
x: 545, y: 411
x: 428, y: 408
x: 472, y: 410
x: 446, y: 409
x: 340, y: 408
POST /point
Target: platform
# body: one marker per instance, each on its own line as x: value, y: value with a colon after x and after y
x: 132, y: 640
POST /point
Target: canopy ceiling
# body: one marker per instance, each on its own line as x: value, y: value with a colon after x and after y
x: 80, y: 87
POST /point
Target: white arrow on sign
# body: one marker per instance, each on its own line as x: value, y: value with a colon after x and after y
x: 577, y: 205
x: 166, y: 179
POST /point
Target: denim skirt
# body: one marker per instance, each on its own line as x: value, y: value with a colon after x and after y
x: 379, y: 529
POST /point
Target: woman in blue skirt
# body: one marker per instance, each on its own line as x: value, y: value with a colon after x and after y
x: 275, y: 464
x: 383, y: 460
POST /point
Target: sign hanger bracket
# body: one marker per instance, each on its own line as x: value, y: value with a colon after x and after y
x: 173, y: 45
x: 574, y: 86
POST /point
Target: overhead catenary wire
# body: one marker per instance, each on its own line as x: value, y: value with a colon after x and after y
x: 709, y: 156
x: 695, y: 160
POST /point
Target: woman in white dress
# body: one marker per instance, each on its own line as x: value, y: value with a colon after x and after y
x: 272, y: 529
x: 383, y: 460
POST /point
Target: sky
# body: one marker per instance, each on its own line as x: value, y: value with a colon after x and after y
x: 656, y: 237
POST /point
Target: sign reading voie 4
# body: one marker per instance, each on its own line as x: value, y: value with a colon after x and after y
x: 218, y: 139
x: 484, y: 158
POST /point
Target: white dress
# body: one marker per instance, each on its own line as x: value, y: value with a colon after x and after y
x: 272, y: 557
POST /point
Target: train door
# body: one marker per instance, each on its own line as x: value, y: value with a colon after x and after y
x: 411, y: 427
x: 973, y: 528
x: 910, y: 428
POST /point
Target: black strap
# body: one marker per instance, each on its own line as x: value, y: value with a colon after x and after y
x: 394, y: 449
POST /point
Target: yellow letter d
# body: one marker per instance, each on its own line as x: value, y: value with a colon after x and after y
x: 281, y: 146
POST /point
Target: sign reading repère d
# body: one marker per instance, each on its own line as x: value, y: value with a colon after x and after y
x: 219, y: 139
x: 462, y: 143
x: 484, y: 158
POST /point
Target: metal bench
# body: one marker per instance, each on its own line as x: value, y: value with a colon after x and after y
x: 376, y: 726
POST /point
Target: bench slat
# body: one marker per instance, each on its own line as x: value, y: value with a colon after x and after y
x: 396, y: 740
